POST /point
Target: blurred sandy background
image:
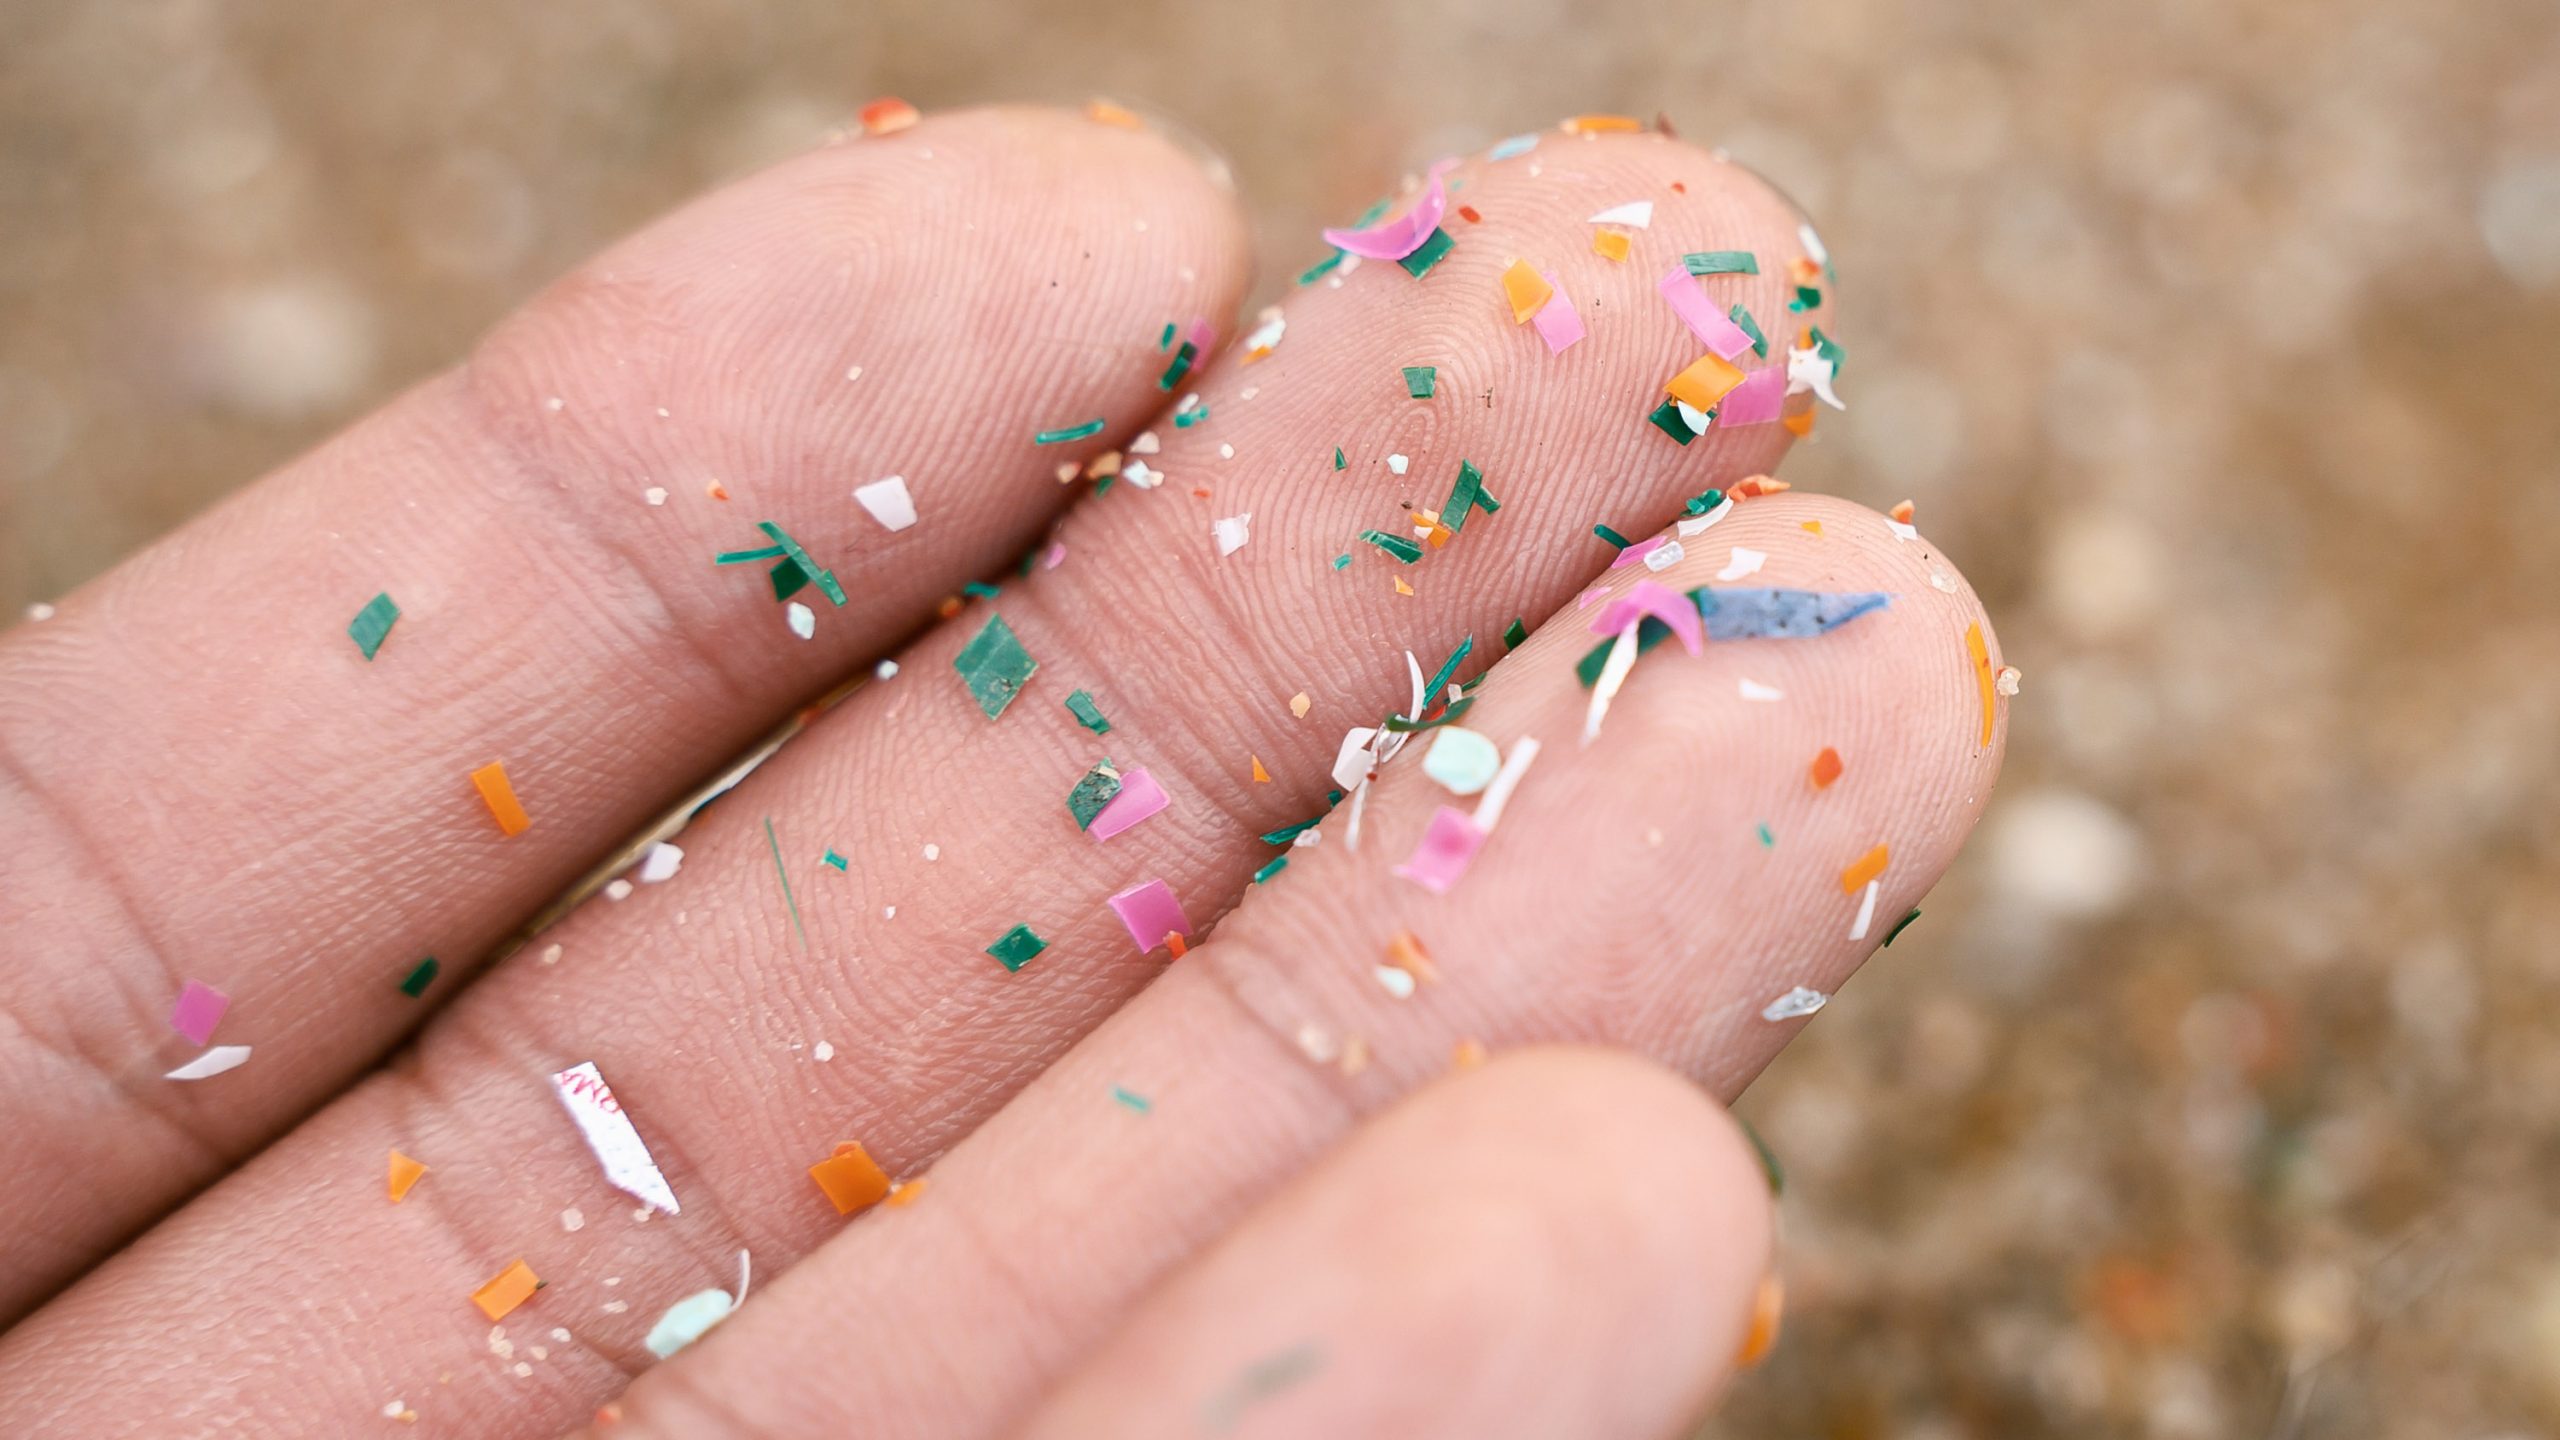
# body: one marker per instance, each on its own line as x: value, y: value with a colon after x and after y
x: 2216, y: 1093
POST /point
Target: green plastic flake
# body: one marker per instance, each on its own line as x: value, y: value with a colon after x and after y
x: 1180, y: 367
x: 1165, y: 339
x: 1807, y: 298
x: 1016, y: 946
x: 373, y: 622
x: 1612, y: 536
x: 1449, y: 668
x: 425, y: 975
x: 1071, y: 432
x: 995, y: 666
x: 979, y: 590
x: 1768, y: 837
x: 1396, y: 545
x: 1188, y: 418
x: 788, y: 577
x: 1267, y: 871
x: 1320, y: 269
x: 1901, y: 925
x: 1722, y: 262
x: 1468, y: 494
x: 1826, y: 347
x: 1704, y: 501
x: 1099, y: 787
x: 1103, y: 485
x: 832, y: 858
x: 1132, y: 1099
x: 1428, y: 254
x: 1402, y: 726
x: 1742, y: 319
x: 1666, y: 418
x: 1650, y: 633
x: 1341, y: 562
x: 1421, y: 380
x: 1338, y: 461
x: 1089, y: 715
x: 784, y: 875
x: 826, y: 580
x: 741, y: 557
x: 1515, y: 632
x: 1769, y: 1167
x: 1287, y: 833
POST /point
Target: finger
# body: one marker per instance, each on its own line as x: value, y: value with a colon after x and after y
x: 1563, y: 1243
x: 1626, y: 898
x: 1193, y: 658
x: 202, y: 778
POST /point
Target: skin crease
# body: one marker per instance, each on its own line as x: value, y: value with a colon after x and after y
x: 700, y: 1003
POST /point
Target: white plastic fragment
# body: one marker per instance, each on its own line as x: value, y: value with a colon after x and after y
x: 213, y: 1062
x: 888, y: 501
x: 1463, y: 761
x: 1902, y: 531
x: 1498, y: 794
x: 1635, y: 215
x: 1795, y: 1004
x: 655, y: 495
x: 1351, y: 762
x: 1145, y: 444
x: 1754, y: 690
x: 1809, y: 369
x: 1866, y: 911
x: 802, y: 620
x: 1613, y: 674
x: 660, y: 863
x: 1745, y: 561
x: 1397, y: 463
x: 1396, y: 981
x: 691, y: 1317
x: 1232, y: 532
x: 1662, y: 557
x: 1694, y: 524
x: 1812, y: 244
x: 609, y: 1133
x: 1140, y: 473
x: 1690, y: 415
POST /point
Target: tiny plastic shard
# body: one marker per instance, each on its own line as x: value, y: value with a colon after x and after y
x: 1692, y: 525
x: 1089, y: 715
x: 1713, y: 328
x: 1497, y: 795
x: 1707, y: 380
x: 887, y: 116
x: 1140, y: 797
x: 1745, y: 561
x: 1899, y: 926
x: 373, y: 623
x: 1420, y: 380
x: 1396, y: 463
x: 1016, y: 947
x: 1754, y: 690
x: 1794, y: 1005
x: 1761, y: 613
x: 1663, y: 556
x: 1394, y: 981
x: 609, y: 1132
x: 1865, y: 868
x: 1448, y: 845
x: 1066, y: 433
x: 994, y: 666
x: 404, y: 1173
x: 510, y: 1288
x: 2006, y: 683
x: 1633, y: 552
x: 1401, y: 237
x: 660, y: 863
x: 802, y: 620
x: 688, y: 1320
x: 1151, y: 911
x: 1525, y: 289
x: 1768, y: 1309
x: 907, y: 1192
x: 888, y: 501
x: 1514, y: 147
x: 1468, y: 1054
x: 1613, y: 674
x: 1866, y: 911
x: 1352, y: 761
x: 1721, y: 262
x: 1260, y: 775
x: 1098, y: 787
x: 1103, y: 112
x: 500, y: 796
x: 216, y: 1061
x: 1600, y: 125
x: 1558, y: 323
x: 1981, y: 655
x: 1756, y: 401
x: 1232, y: 532
x: 1826, y: 768
x: 1652, y: 598
x: 1299, y: 704
x: 851, y: 1179
x: 1635, y: 215
x: 1131, y: 1099
x: 420, y: 976
x: 198, y: 1011
x: 1609, y: 244
x: 1463, y: 761
x: 1142, y: 475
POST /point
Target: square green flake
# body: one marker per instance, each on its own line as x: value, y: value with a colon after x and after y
x: 995, y: 666
x: 1421, y: 380
x: 1427, y: 254
x: 1088, y: 714
x: 372, y: 623
x: 1099, y: 787
x: 1016, y: 946
x: 1666, y: 418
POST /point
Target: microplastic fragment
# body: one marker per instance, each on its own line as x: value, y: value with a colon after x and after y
x: 1866, y: 911
x: 1420, y: 380
x: 995, y: 666
x: 1098, y: 787
x: 1635, y: 215
x: 1749, y: 614
x: 1901, y: 925
x: 1516, y: 632
x: 887, y: 115
x: 1865, y: 868
x: 1089, y: 715
x: 1705, y: 382
x: 1806, y: 298
x: 420, y: 976
x: 213, y: 1062
x: 1768, y: 837
x: 1635, y: 552
x: 1463, y: 761
x: 500, y: 797
x: 1066, y: 433
x: 1180, y: 367
x: 1663, y: 556
x: 510, y: 1288
x: 2009, y: 679
x: 1666, y: 418
x: 1558, y: 323
x: 1338, y: 460
x: 1722, y: 337
x: 1609, y: 244
x: 773, y: 842
x: 373, y: 622
x: 851, y: 1179
x: 1514, y: 147
x: 1981, y: 653
x: 1448, y: 845
x: 1525, y: 289
x: 1753, y: 690
x: 1404, y: 550
x: 660, y: 863
x: 1741, y: 317
x: 802, y: 620
x: 1140, y: 797
x: 1756, y: 401
x: 1300, y: 703
x: 1132, y: 1099
x: 609, y: 1133
x: 1232, y: 532
x: 1795, y: 1004
x: 1151, y: 911
x: 888, y: 501
x: 1266, y: 872
x: 402, y: 1174
x: 824, y: 578
x: 1600, y: 125
x: 1745, y: 561
x: 1396, y: 463
x: 1394, y: 981
x: 198, y: 1010
x: 1015, y: 947
x: 688, y: 1320
x: 1612, y: 536
x: 1721, y: 262
x: 1408, y: 233
x: 1419, y: 263
x: 1661, y: 602
x: 832, y: 858
x: 1467, y: 496
x: 1826, y: 768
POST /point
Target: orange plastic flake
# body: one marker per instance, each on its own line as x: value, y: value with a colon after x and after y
x: 1601, y: 124
x: 887, y: 115
x: 1758, y: 485
x: 949, y: 607
x: 1526, y: 289
x: 1869, y: 866
x: 852, y: 1179
x: 1768, y: 1310
x: 1466, y: 1055
x: 1106, y: 463
x: 1468, y: 214
x: 512, y: 1287
x: 500, y: 797
x: 1174, y: 942
x: 1355, y: 1054
x: 1260, y: 775
x: 1703, y: 384
x: 1811, y: 527
x: 1902, y: 512
x: 1609, y: 244
x: 716, y: 490
x: 1066, y: 472
x: 1800, y: 424
x: 404, y: 1173
x: 1981, y: 654
x: 1104, y: 112
x: 1406, y: 954
x: 1826, y: 768
x: 1803, y: 271
x: 908, y: 1193
x: 1401, y: 587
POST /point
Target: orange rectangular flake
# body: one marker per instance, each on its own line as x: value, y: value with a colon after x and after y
x: 404, y: 1174
x: 1703, y: 384
x: 1526, y: 289
x: 514, y: 1286
x: 1600, y: 124
x: 1609, y: 244
x: 852, y: 1179
x: 1869, y: 866
x: 501, y: 797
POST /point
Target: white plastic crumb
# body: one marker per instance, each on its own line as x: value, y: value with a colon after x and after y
x: 573, y: 1220
x: 660, y: 864
x: 822, y: 1052
x: 888, y: 501
x: 1232, y: 533
x: 1145, y: 444
x: 1141, y: 474
x: 802, y: 620
x: 1754, y: 690
x: 1397, y: 463
x: 655, y: 495
x: 213, y: 1062
x: 1226, y: 452
x: 1745, y: 561
x: 1662, y: 557
x: 1396, y: 981
x: 1635, y: 215
x: 1795, y: 1004
x: 550, y: 954
x: 40, y: 611
x: 618, y: 890
x: 1866, y: 911
x: 885, y: 670
x: 933, y: 852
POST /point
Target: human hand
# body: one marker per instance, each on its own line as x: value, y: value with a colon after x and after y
x: 1240, y: 1191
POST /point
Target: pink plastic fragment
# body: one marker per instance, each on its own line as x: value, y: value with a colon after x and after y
x: 198, y: 1010
x: 1202, y: 334
x: 1652, y: 597
x: 1713, y: 329
x: 1756, y: 401
x: 1444, y: 852
x: 1634, y: 554
x: 1557, y: 321
x: 1140, y: 796
x: 1397, y: 238
x: 1151, y: 912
